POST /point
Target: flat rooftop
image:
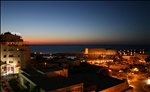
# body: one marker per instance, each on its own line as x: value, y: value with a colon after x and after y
x: 50, y: 84
x: 33, y: 71
x: 51, y: 69
x: 101, y: 81
x: 54, y: 83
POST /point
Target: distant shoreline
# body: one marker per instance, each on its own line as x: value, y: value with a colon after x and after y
x: 80, y: 48
x: 94, y: 44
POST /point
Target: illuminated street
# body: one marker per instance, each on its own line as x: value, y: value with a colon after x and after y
x: 138, y: 85
x: 138, y: 81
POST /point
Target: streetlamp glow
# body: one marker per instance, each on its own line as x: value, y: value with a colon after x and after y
x: 148, y: 81
x: 136, y: 69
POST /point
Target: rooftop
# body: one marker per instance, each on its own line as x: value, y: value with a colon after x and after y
x: 101, y: 81
x: 50, y: 69
x: 49, y: 84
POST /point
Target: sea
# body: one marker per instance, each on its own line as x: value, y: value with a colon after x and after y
x: 50, y: 49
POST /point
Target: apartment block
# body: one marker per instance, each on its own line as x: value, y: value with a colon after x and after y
x: 15, y: 53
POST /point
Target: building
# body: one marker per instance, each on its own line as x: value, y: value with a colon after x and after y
x: 136, y: 59
x: 98, y: 79
x: 96, y: 53
x: 100, y: 51
x: 101, y: 83
x: 53, y: 79
x: 15, y: 53
x: 142, y: 57
x: 99, y: 55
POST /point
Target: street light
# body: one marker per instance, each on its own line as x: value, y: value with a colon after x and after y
x: 148, y: 81
x: 45, y: 63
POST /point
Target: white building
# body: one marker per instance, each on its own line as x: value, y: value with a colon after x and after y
x: 14, y: 53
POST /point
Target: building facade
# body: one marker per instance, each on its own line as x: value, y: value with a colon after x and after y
x: 99, y: 55
x: 15, y: 53
x: 96, y: 53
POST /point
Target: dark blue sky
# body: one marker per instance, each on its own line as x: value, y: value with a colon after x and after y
x: 78, y: 22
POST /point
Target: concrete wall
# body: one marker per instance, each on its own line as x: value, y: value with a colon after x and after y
x: 100, y: 51
x: 73, y: 88
x: 24, y: 81
x: 96, y: 53
x: 118, y: 88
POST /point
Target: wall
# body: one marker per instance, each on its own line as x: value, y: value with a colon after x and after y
x: 96, y: 53
x: 118, y: 88
x: 73, y: 88
x: 100, y: 51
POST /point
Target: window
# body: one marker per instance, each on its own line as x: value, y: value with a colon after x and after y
x: 10, y: 61
x: 4, y: 62
x: 10, y: 55
x: 4, y: 56
x: 12, y: 68
x: 10, y: 49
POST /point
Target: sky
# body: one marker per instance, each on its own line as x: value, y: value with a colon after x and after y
x: 78, y: 22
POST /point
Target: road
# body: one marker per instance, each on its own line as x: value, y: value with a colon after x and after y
x: 138, y: 81
x: 138, y: 85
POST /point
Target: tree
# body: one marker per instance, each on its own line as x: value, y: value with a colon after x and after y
x: 147, y: 59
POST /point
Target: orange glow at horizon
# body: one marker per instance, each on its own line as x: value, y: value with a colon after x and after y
x: 42, y: 40
x: 58, y: 41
